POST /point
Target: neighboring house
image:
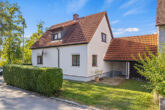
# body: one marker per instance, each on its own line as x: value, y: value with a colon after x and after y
x: 85, y: 45
x: 160, y: 21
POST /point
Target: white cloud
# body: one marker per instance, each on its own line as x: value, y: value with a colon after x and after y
x: 127, y: 4
x: 123, y: 31
x: 132, y: 30
x: 115, y: 22
x: 133, y: 11
x: 75, y: 5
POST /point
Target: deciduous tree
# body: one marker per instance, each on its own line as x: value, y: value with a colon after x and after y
x: 31, y: 41
x: 10, y: 32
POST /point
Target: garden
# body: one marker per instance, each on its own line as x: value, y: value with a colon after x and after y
x: 129, y: 95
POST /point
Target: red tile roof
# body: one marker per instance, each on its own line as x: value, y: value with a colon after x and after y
x: 160, y: 18
x: 122, y: 49
x: 78, y: 31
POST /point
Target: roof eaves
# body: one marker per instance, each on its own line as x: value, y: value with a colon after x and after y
x: 80, y: 43
x: 110, y: 29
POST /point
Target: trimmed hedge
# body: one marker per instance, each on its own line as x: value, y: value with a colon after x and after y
x: 39, y: 79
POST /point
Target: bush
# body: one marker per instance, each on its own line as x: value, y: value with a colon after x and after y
x: 40, y: 79
x: 153, y: 69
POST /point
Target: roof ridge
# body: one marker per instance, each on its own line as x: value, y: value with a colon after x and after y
x: 136, y: 36
x: 79, y: 18
x: 93, y: 14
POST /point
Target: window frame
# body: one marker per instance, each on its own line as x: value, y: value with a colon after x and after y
x: 40, y: 59
x: 77, y: 63
x: 102, y: 37
x: 94, y: 60
x: 59, y: 37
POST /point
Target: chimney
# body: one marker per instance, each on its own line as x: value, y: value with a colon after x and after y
x: 75, y: 17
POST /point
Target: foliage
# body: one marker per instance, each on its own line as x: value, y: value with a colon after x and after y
x: 153, y: 68
x: 43, y: 80
x: 31, y: 41
x: 129, y: 95
x: 10, y: 32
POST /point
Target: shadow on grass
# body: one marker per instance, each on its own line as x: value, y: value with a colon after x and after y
x: 122, y: 97
x: 133, y: 85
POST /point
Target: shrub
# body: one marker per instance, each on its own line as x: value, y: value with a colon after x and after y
x: 39, y: 79
x: 153, y: 68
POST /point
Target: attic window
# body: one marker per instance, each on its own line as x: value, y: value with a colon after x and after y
x: 103, y: 37
x: 56, y: 36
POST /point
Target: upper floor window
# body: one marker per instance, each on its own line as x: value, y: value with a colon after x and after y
x: 103, y: 37
x: 75, y: 60
x: 56, y: 36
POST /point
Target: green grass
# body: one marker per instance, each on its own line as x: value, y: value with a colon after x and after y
x: 130, y: 95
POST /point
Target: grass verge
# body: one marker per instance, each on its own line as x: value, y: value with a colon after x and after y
x: 130, y: 95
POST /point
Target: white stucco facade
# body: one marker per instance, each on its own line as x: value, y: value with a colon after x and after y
x: 161, y: 34
x: 50, y: 59
x: 99, y: 48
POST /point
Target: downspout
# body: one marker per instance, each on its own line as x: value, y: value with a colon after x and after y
x: 128, y: 70
x: 58, y: 56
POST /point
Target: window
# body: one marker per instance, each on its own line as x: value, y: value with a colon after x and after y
x: 56, y: 36
x: 75, y: 60
x: 103, y: 37
x: 94, y: 60
x: 39, y: 59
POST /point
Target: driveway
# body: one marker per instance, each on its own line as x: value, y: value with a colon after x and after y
x: 12, y: 98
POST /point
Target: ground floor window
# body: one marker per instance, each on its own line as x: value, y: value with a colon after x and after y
x: 75, y: 60
x: 39, y: 59
x: 94, y: 60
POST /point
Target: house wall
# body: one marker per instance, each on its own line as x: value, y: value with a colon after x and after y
x: 85, y: 72
x: 161, y: 33
x: 118, y: 68
x: 99, y: 48
x: 50, y: 59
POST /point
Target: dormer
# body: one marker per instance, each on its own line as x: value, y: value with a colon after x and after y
x: 56, y: 35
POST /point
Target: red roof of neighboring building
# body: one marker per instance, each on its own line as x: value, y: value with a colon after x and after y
x: 124, y: 48
x: 78, y: 31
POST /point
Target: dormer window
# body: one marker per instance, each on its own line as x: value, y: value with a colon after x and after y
x: 56, y: 36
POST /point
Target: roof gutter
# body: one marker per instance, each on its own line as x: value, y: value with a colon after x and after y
x: 120, y: 60
x: 160, y: 24
x: 60, y: 45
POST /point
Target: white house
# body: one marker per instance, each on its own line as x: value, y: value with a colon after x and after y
x: 85, y: 45
x: 160, y: 21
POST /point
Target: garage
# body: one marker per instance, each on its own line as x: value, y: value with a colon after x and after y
x: 133, y: 72
x: 124, y: 52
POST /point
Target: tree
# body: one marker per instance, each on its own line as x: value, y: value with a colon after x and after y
x: 31, y: 41
x: 2, y: 18
x: 153, y: 68
x: 11, y: 31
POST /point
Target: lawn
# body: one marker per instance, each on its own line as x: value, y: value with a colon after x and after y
x: 130, y: 95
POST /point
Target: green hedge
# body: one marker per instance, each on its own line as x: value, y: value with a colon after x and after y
x: 40, y: 79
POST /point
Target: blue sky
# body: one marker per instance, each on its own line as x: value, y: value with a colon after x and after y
x: 127, y: 17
